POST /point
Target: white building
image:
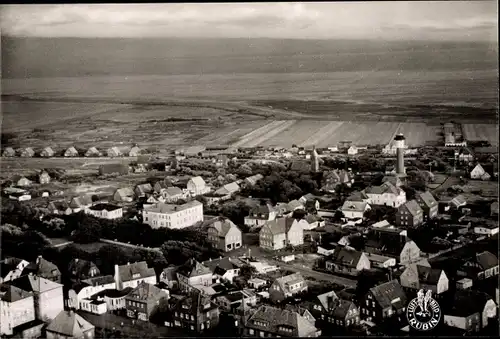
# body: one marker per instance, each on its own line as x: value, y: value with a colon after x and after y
x: 488, y: 230
x: 355, y: 209
x: 479, y: 173
x: 386, y: 194
x: 197, y: 186
x: 105, y: 211
x: 173, y: 216
x: 353, y: 150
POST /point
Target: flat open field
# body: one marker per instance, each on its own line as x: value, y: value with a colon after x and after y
x: 476, y: 132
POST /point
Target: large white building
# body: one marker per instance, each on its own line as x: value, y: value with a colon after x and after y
x: 173, y: 216
x: 386, y: 194
x: 105, y: 211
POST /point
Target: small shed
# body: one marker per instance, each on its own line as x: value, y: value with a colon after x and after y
x: 71, y: 152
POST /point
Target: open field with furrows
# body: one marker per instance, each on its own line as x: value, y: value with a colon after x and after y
x: 476, y: 132
x: 418, y: 134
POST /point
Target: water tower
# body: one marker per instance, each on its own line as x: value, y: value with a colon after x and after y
x: 399, y: 144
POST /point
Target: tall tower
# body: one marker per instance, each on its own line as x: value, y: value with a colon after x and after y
x: 314, y: 160
x: 399, y: 143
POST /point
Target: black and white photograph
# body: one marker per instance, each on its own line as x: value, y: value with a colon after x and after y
x: 249, y: 169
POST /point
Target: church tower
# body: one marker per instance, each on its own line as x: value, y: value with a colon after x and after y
x: 314, y: 160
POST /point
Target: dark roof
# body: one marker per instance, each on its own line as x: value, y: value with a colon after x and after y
x: 69, y: 324
x: 341, y: 308
x: 223, y: 226
x: 98, y: 281
x: 42, y: 267
x: 345, y: 256
x: 84, y: 200
x: 389, y: 294
x: 80, y: 266
x: 413, y: 207
x: 223, y: 264
x: 428, y: 275
x: 145, y: 291
x: 467, y: 302
x: 127, y: 272
x: 272, y: 319
x: 357, y: 196
x: 427, y: 198
x: 104, y: 206
x: 110, y: 293
x: 196, y: 302
x: 280, y: 225
x: 193, y: 268
x: 12, y: 294
x: 386, y: 187
x: 486, y: 260
x: 170, y: 273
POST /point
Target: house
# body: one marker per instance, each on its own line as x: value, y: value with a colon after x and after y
x: 326, y: 249
x: 231, y: 301
x: 18, y: 308
x: 114, y: 299
x: 85, y: 289
x: 47, y: 152
x: 253, y: 180
x: 79, y: 269
x: 20, y: 196
x: 124, y: 195
x: 384, y: 301
x: 11, y: 268
x: 47, y: 295
x: 333, y: 311
x: 428, y: 204
x: 93, y: 152
x: 44, y: 178
x: 80, y: 203
x: 194, y: 312
x: 225, y: 268
x: 224, y: 235
x: 494, y: 209
x: 113, y: 152
x: 465, y: 155
x: 69, y: 325
x: 172, y: 194
x: 113, y: 169
x: 486, y: 229
x: 279, y: 233
x: 354, y: 209
x: 9, y: 152
x: 169, y: 277
x: 193, y: 274
x: 131, y: 275
x: 332, y: 179
x: 228, y: 189
x: 393, y: 179
x: 27, y: 152
x: 173, y: 216
x: 221, y: 160
x: 358, y: 196
x: 416, y: 277
x: 71, y: 152
x: 458, y: 201
x: 44, y: 269
x: 105, y: 211
x: 482, y: 266
x: 59, y: 207
x: 21, y: 181
x: 386, y: 194
x: 143, y: 190
x: 353, y: 150
x: 134, y: 151
x: 348, y: 261
x: 470, y: 310
x: 94, y: 306
x: 256, y: 283
x: 287, y: 286
x: 409, y: 215
x: 380, y: 261
x: 259, y: 215
x: 270, y: 321
x: 314, y: 221
x: 142, y: 301
x: 162, y: 185
x: 479, y: 173
x: 197, y: 186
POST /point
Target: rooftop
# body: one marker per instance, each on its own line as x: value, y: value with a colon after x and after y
x: 170, y: 208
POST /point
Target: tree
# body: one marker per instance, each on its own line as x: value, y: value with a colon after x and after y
x: 248, y: 271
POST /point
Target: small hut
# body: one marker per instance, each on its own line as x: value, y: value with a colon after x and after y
x: 47, y: 152
x: 71, y: 152
x: 93, y: 152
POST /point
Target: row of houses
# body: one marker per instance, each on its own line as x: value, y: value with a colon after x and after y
x: 48, y: 152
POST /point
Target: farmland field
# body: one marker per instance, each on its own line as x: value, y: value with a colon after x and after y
x: 476, y: 132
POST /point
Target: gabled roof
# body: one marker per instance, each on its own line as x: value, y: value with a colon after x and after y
x: 145, y: 291
x: 134, y: 151
x: 288, y: 280
x: 252, y: 180
x: 386, y: 187
x: 413, y: 207
x: 9, y: 151
x: 81, y: 201
x: 458, y: 201
x: 198, y: 181
x: 71, y: 150
x: 12, y: 294
x: 80, y: 266
x: 355, y: 206
x: 271, y: 319
x: 172, y: 190
x: 224, y: 264
x: 389, y: 294
x: 279, y: 225
x: 265, y: 210
x: 427, y: 198
x: 92, y: 151
x: 60, y: 205
x: 28, y: 151
x: 125, y: 192
x: 428, y: 275
x: 294, y: 204
x: 230, y: 188
x: 42, y: 267
x: 479, y: 168
x: 223, y: 226
x: 114, y: 151
x: 395, y: 180
x: 144, y: 188
x: 69, y: 324
x: 346, y: 256
x: 127, y: 272
x: 325, y: 297
x: 33, y: 283
x: 486, y: 260
x: 357, y: 196
x: 196, y: 303
x: 48, y: 150
x: 193, y: 268
x: 341, y: 308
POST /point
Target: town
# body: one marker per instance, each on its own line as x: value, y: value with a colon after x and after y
x: 255, y: 241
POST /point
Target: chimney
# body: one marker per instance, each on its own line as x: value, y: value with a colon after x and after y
x: 118, y: 282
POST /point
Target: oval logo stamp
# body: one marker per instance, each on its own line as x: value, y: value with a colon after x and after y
x: 423, y: 312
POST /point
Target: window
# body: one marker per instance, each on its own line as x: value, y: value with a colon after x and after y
x: 348, y: 322
x: 192, y: 317
x: 202, y: 326
x: 367, y: 303
x: 373, y: 313
x: 249, y: 331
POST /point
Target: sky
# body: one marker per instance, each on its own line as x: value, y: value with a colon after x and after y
x: 397, y: 20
